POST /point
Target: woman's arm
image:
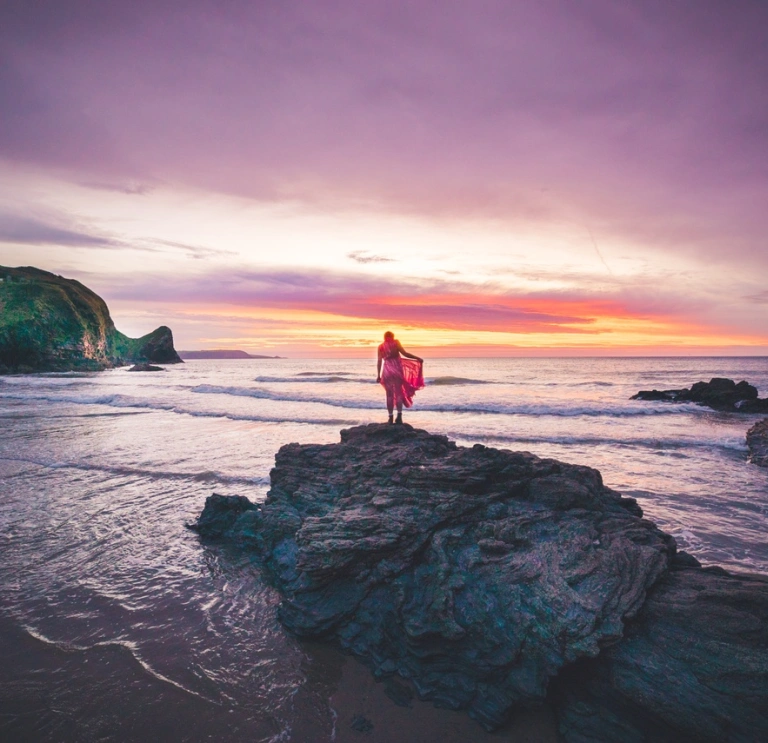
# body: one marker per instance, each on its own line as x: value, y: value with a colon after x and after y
x: 407, y: 355
x: 378, y: 368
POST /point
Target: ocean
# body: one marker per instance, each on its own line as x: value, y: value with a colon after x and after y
x: 119, y: 623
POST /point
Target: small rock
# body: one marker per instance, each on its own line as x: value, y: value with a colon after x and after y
x: 757, y: 441
x: 146, y: 368
x: 399, y: 693
x: 222, y: 514
x: 361, y: 724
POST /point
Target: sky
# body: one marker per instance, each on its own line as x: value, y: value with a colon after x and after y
x: 485, y: 178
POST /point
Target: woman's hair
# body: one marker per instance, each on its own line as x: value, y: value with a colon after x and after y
x: 389, y: 335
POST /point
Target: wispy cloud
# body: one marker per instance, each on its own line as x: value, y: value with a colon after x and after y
x: 130, y: 188
x: 361, y: 256
x: 439, y: 304
x: 20, y: 230
x: 58, y: 230
x: 197, y: 252
x: 759, y: 298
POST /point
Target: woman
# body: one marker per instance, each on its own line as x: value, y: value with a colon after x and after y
x: 400, y: 377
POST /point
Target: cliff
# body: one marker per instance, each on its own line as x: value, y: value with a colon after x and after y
x: 49, y: 323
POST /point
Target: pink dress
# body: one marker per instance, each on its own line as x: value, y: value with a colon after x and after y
x: 400, y: 377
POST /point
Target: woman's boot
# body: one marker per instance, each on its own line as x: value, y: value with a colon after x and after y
x: 399, y: 418
x: 389, y: 420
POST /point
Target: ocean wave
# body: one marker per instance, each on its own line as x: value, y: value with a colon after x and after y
x: 657, y: 444
x: 624, y: 410
x: 315, y: 379
x: 324, y: 374
x: 265, y: 394
x: 124, y: 645
x: 203, y: 476
x: 122, y: 401
x: 441, y: 381
x: 114, y: 400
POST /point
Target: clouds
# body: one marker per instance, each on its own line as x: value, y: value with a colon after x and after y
x: 645, y: 121
x: 24, y: 230
x: 57, y: 230
x: 361, y: 256
x: 621, y: 147
x: 429, y: 304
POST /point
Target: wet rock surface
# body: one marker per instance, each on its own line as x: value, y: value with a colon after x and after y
x: 477, y: 574
x: 693, y: 666
x: 719, y: 394
x: 757, y: 441
x: 146, y: 368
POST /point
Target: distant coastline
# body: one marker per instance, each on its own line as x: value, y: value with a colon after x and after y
x: 222, y: 353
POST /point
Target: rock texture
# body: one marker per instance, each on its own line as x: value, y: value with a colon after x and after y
x: 692, y: 667
x: 475, y: 573
x: 146, y: 368
x: 757, y: 441
x: 719, y: 394
x: 49, y: 323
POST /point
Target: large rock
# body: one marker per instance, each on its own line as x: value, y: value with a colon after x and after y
x: 719, y: 394
x: 475, y: 573
x: 757, y: 441
x: 49, y: 323
x: 692, y: 667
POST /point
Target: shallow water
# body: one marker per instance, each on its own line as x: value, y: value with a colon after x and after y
x: 99, y: 474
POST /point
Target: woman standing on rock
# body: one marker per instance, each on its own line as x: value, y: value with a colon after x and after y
x: 399, y: 376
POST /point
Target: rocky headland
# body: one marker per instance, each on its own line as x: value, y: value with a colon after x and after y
x: 757, y: 441
x: 492, y: 579
x: 720, y: 394
x: 49, y: 323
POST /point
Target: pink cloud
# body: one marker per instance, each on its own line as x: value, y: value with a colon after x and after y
x: 647, y: 121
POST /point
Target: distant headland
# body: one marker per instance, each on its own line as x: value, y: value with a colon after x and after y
x: 222, y: 353
x: 49, y: 323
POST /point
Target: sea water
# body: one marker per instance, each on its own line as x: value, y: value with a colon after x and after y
x: 99, y: 473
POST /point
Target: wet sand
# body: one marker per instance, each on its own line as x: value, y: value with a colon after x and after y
x: 50, y: 694
x: 368, y: 714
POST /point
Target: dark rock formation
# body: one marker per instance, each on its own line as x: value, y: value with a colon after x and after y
x: 475, y: 573
x: 156, y: 346
x: 221, y: 517
x: 693, y: 667
x: 49, y: 323
x: 145, y: 368
x: 719, y: 394
x: 757, y: 441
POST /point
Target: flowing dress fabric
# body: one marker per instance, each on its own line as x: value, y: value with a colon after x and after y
x: 400, y: 377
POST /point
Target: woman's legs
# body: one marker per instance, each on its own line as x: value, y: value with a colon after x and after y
x: 399, y: 418
x: 390, y: 402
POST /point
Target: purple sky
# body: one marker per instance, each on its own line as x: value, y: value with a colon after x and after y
x: 636, y: 122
